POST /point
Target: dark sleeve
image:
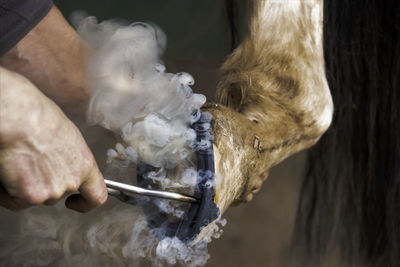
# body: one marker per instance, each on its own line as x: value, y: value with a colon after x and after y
x: 17, y: 18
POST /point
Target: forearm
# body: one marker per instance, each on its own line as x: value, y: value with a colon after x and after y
x: 52, y: 56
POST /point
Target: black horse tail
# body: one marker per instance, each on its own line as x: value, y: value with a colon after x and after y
x: 349, y: 206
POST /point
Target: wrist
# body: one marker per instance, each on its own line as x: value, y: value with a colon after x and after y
x: 22, y: 108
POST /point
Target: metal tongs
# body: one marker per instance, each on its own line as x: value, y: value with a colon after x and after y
x: 124, y: 191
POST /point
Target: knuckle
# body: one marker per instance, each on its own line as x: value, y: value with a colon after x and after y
x: 34, y: 198
x: 74, y: 185
x: 56, y: 194
x: 54, y: 189
x: 28, y: 193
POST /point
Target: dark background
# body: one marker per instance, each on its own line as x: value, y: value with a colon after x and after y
x: 258, y: 233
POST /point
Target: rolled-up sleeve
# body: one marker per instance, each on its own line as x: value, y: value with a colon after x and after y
x: 17, y: 18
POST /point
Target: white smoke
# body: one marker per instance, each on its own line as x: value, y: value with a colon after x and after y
x: 151, y: 111
x: 132, y: 95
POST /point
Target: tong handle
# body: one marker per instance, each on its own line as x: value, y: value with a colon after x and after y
x: 121, y: 191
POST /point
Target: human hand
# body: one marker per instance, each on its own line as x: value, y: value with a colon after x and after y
x: 42, y: 154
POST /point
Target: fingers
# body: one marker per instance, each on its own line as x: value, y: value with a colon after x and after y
x: 93, y: 193
x: 9, y: 202
x: 50, y: 202
x: 19, y: 203
x: 12, y: 203
x: 25, y: 188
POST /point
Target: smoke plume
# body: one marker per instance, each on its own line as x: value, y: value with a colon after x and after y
x: 150, y: 112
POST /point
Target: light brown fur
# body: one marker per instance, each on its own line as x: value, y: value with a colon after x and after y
x: 277, y: 101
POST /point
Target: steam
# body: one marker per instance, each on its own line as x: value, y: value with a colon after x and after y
x: 135, y: 97
x: 151, y: 111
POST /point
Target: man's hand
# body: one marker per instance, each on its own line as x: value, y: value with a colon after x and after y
x: 42, y: 154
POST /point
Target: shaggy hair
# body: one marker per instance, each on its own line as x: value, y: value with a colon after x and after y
x: 349, y: 206
x: 350, y: 198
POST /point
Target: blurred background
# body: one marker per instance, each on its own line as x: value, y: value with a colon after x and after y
x: 257, y: 233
